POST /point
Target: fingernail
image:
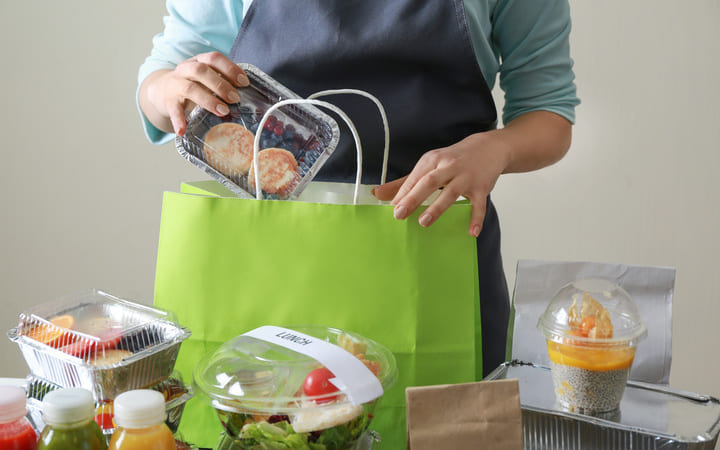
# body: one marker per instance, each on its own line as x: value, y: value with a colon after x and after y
x: 223, y: 109
x: 400, y: 212
x: 476, y: 231
x: 243, y: 80
x: 234, y: 97
x: 425, y: 219
x: 372, y: 191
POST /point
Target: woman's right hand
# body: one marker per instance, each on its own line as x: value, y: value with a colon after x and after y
x: 208, y: 79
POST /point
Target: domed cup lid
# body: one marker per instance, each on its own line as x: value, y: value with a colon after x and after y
x: 592, y: 312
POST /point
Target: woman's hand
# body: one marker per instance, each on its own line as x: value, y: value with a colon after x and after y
x: 469, y: 168
x: 472, y: 167
x: 209, y: 80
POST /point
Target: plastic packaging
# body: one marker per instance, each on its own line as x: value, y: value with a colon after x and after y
x: 175, y: 392
x: 294, y: 143
x: 140, y: 417
x: 592, y: 328
x: 68, y: 415
x: 99, y: 342
x: 16, y: 432
x: 271, y: 394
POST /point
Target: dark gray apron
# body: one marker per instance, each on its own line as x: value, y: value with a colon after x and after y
x: 417, y: 58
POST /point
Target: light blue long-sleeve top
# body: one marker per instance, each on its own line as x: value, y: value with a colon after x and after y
x: 526, y: 42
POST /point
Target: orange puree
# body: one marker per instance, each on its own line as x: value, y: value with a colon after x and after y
x: 591, y: 358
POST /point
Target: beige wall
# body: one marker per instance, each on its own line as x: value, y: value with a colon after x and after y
x: 82, y: 188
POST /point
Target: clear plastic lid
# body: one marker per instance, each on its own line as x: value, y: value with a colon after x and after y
x: 592, y: 311
x: 251, y: 375
x: 12, y: 403
x: 96, y: 327
x: 295, y: 141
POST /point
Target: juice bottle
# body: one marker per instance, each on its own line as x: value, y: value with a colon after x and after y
x: 16, y: 433
x: 140, y: 419
x: 69, y: 425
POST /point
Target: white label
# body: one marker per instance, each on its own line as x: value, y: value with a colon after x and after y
x: 352, y: 377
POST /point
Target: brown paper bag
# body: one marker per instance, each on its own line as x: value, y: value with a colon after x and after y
x: 484, y: 414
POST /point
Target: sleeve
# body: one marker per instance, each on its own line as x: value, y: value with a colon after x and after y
x: 191, y: 28
x: 532, y: 38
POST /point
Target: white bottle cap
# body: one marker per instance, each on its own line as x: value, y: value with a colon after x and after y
x: 140, y: 408
x: 12, y: 403
x: 65, y: 406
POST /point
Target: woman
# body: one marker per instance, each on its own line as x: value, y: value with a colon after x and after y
x: 432, y: 64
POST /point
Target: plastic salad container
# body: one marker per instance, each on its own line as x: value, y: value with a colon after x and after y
x: 592, y: 327
x: 268, y: 395
x: 99, y: 342
x: 295, y: 142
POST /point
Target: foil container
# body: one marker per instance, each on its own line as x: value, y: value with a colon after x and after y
x: 175, y: 391
x: 649, y: 416
x: 117, y: 346
x: 306, y: 132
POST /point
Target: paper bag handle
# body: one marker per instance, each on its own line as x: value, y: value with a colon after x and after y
x: 383, y: 116
x: 312, y: 100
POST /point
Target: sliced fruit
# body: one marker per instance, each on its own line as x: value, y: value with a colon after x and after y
x: 56, y: 334
x: 65, y: 321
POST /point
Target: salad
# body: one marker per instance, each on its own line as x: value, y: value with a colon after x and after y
x: 271, y: 397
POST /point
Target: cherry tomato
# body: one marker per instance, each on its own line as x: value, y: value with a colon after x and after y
x: 318, y: 382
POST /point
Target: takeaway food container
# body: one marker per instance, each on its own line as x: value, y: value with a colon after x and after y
x: 99, y: 342
x: 592, y: 328
x: 176, y: 395
x: 260, y: 392
x: 294, y: 143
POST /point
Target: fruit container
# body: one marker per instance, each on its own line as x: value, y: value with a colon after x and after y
x: 99, y: 342
x: 175, y: 391
x: 592, y: 328
x: 265, y: 393
x: 295, y: 141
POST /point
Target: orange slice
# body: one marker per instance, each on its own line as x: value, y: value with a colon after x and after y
x: 54, y: 336
x: 65, y: 321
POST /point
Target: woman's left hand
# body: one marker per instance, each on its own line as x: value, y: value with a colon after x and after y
x: 469, y: 168
x: 472, y: 166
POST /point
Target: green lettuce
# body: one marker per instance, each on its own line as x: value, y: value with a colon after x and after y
x: 280, y: 435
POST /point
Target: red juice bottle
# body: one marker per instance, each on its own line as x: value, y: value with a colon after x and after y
x: 16, y: 433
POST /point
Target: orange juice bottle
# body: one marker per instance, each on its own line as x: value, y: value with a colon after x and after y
x: 140, y: 419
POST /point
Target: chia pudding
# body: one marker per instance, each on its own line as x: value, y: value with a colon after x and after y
x: 592, y: 328
x: 588, y: 391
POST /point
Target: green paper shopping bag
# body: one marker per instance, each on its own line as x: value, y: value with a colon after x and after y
x: 229, y: 265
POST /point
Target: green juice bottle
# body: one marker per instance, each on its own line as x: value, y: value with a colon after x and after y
x: 69, y: 425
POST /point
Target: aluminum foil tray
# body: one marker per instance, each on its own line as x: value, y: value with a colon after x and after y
x: 175, y: 391
x: 305, y: 135
x: 99, y: 342
x: 650, y: 416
